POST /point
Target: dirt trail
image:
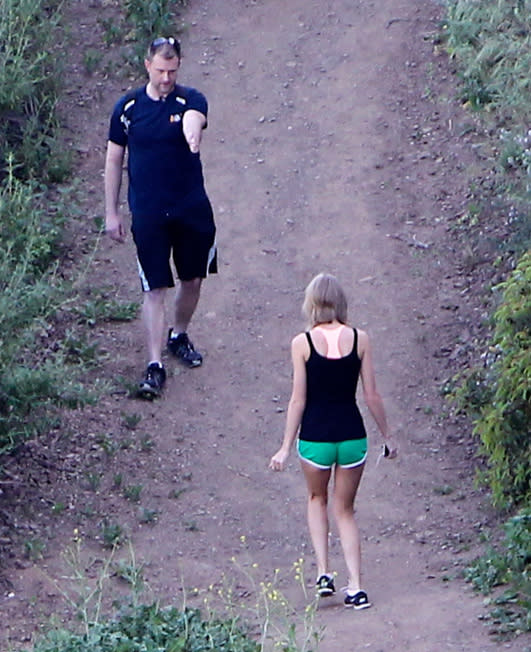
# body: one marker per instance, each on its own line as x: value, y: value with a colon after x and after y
x: 330, y: 147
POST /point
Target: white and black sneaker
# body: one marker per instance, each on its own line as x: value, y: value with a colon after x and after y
x: 183, y: 349
x: 356, y: 599
x: 325, y: 586
x: 151, y: 385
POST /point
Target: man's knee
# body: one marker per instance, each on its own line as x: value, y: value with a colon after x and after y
x: 155, y: 297
x: 192, y: 285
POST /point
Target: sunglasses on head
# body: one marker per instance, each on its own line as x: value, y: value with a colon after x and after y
x: 162, y: 40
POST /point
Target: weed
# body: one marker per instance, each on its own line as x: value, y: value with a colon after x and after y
x: 28, y: 92
x: 131, y: 421
x: 130, y: 573
x: 58, y: 508
x: 112, y: 32
x: 508, y: 565
x: 140, y: 626
x: 93, y: 480
x: 146, y: 443
x: 132, y: 492
x: 91, y: 59
x: 34, y: 549
x: 444, y: 490
x: 127, y: 386
x: 108, y: 444
x: 101, y: 309
x: 148, y: 516
x: 191, y: 525
x: 176, y: 493
x: 281, y: 626
x: 117, y: 480
x: 112, y: 534
x: 79, y: 349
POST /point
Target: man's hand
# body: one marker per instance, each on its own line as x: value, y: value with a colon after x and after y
x: 193, y: 123
x: 114, y: 226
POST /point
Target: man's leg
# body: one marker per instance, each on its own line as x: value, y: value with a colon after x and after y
x: 153, y: 315
x: 186, y: 300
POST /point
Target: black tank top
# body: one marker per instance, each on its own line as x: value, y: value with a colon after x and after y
x: 331, y: 413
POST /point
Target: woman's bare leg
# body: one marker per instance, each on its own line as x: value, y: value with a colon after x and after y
x: 317, y: 483
x: 345, y: 488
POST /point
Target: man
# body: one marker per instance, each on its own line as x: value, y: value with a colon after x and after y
x: 161, y: 125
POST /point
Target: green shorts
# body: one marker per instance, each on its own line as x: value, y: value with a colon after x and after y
x: 324, y: 455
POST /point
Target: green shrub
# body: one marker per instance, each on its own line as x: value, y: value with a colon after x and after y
x: 504, y: 423
x: 500, y: 393
x: 148, y: 628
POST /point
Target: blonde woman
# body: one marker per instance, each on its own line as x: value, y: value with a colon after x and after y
x: 327, y: 361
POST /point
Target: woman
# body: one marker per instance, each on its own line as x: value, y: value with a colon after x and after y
x: 327, y: 361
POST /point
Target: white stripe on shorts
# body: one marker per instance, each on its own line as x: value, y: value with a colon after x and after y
x: 143, y: 279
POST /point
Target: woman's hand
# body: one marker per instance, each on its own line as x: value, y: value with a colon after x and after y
x: 278, y: 460
x: 390, y: 449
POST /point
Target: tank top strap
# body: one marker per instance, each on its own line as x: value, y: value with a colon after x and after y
x: 355, y: 345
x: 308, y: 337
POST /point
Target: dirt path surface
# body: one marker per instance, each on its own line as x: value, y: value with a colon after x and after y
x: 331, y: 146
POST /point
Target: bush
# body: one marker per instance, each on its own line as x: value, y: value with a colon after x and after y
x: 504, y: 423
x: 149, y: 627
x: 500, y: 394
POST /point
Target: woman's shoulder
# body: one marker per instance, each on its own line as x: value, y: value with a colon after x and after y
x: 363, y: 341
x: 300, y: 339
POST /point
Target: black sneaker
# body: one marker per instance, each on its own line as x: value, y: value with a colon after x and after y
x: 325, y: 586
x: 153, y: 382
x: 357, y: 600
x: 183, y: 350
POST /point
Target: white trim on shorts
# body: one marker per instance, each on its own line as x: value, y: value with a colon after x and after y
x: 211, y: 256
x: 143, y: 277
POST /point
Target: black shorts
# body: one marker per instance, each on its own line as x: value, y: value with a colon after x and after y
x: 189, y: 239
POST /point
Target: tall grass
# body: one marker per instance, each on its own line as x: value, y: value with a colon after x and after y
x: 490, y: 41
x: 30, y: 293
x: 29, y: 87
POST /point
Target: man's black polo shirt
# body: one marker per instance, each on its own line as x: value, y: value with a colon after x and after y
x: 164, y: 176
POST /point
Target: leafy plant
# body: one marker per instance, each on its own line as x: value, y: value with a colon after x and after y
x: 509, y: 565
x: 132, y: 492
x: 152, y: 627
x: 99, y: 308
x: 131, y: 421
x: 500, y: 394
x: 112, y: 534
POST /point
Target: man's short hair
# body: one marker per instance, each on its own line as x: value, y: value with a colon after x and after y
x: 168, y: 48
